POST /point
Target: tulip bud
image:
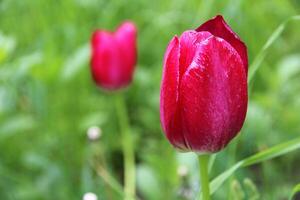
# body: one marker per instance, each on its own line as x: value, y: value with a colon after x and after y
x: 114, y: 56
x: 203, y: 101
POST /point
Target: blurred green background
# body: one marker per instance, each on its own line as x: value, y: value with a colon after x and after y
x: 48, y: 100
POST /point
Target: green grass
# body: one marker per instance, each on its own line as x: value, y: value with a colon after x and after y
x: 48, y: 100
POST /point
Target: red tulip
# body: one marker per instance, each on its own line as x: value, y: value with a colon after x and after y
x: 114, y: 56
x: 203, y: 101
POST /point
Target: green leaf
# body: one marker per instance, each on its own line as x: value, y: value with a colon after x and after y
x: 236, y: 191
x: 147, y: 181
x: 268, y: 154
x: 21, y: 67
x: 288, y: 68
x: 16, y: 124
x: 251, y: 189
x: 75, y: 62
x: 273, y: 152
x: 7, y: 46
x: 93, y: 119
x: 27, y: 62
x: 219, y: 180
x: 211, y: 161
x: 296, y: 190
x: 263, y: 52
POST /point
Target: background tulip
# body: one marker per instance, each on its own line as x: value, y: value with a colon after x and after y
x: 112, y: 66
x: 203, y: 100
x: 114, y: 56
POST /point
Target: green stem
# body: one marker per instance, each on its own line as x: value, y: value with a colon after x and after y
x: 203, y: 164
x: 128, y: 149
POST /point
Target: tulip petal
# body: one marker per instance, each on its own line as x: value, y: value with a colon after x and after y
x: 105, y: 60
x: 189, y: 41
x: 126, y: 39
x: 169, y: 96
x: 218, y: 27
x: 213, y: 96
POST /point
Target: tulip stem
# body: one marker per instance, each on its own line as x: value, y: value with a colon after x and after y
x: 203, y: 164
x: 128, y: 150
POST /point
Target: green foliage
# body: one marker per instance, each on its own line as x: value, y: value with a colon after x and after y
x: 251, y: 189
x: 236, y: 191
x: 48, y: 101
x: 267, y: 154
x: 262, y: 54
x: 295, y: 191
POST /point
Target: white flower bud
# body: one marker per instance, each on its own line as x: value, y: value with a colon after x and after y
x: 94, y: 133
x: 182, y: 170
x: 90, y: 196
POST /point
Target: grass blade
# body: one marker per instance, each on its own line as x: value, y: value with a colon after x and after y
x: 211, y: 161
x: 263, y: 52
x: 273, y: 152
x: 268, y: 154
x: 296, y: 190
x: 219, y: 180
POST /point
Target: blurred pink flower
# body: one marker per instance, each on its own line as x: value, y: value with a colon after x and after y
x: 114, y: 56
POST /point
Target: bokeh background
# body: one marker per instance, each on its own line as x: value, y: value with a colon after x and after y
x: 48, y: 100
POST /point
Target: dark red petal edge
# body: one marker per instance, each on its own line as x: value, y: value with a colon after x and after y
x: 218, y: 27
